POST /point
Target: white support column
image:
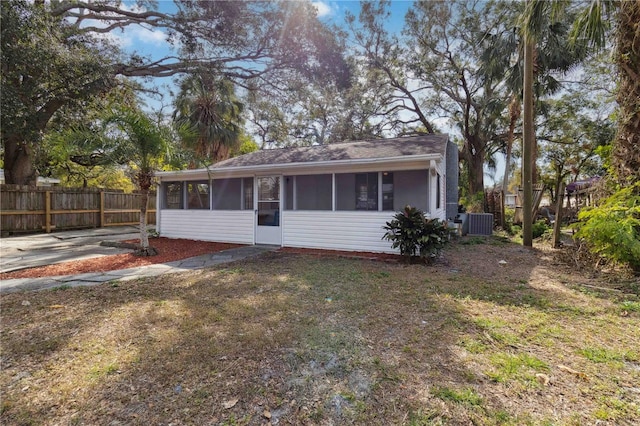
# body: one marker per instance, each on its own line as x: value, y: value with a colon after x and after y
x: 333, y: 192
x: 379, y: 191
x: 433, y: 183
x: 185, y: 195
x: 295, y: 192
x: 160, y: 194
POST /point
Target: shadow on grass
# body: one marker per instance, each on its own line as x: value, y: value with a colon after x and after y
x: 286, y: 338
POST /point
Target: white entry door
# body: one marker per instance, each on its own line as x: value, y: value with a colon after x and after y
x: 268, y: 219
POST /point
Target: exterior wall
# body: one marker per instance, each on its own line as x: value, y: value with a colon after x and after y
x: 336, y: 230
x: 332, y: 230
x: 228, y: 226
x: 451, y: 175
x: 435, y: 212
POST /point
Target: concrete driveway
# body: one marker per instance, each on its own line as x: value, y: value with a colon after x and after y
x: 27, y: 251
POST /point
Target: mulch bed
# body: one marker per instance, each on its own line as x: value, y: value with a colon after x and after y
x: 169, y: 249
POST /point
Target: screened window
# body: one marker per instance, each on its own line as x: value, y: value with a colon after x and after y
x: 357, y: 191
x: 173, y: 195
x: 287, y: 184
x: 367, y: 191
x: 308, y: 192
x: 387, y: 191
x: 438, y: 192
x: 198, y: 195
x: 227, y: 194
x: 247, y: 193
x: 411, y: 187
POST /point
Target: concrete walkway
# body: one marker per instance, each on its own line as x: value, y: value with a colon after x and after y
x: 32, y: 250
x: 94, y: 278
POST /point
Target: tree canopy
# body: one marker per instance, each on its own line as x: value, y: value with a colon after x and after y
x: 55, y: 55
x: 290, y: 78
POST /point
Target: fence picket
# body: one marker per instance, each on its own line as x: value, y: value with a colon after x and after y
x: 24, y: 208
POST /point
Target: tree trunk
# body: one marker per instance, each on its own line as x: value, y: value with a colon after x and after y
x: 18, y: 163
x: 144, y: 180
x: 144, y: 235
x: 473, y: 153
x: 534, y: 157
x: 626, y: 148
x: 514, y: 114
x: 527, y: 145
x: 476, y: 173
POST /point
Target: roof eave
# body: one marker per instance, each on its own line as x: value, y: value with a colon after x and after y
x: 293, y: 167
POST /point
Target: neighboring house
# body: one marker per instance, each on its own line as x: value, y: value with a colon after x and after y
x: 41, y: 181
x: 336, y: 196
x: 510, y: 200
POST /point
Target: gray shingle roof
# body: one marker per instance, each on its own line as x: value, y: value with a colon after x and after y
x: 359, y: 150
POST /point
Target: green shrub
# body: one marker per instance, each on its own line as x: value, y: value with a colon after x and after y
x: 612, y: 230
x: 539, y: 228
x: 509, y: 216
x: 415, y: 235
x: 475, y: 203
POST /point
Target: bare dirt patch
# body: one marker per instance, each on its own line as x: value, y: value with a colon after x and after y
x: 492, y: 334
x: 169, y: 249
x: 383, y: 257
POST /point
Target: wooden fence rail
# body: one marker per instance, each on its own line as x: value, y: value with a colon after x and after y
x: 33, y: 209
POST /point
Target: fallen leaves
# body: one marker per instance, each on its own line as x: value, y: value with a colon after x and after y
x: 576, y: 373
x: 230, y: 403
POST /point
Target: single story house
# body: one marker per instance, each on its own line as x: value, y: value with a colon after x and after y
x: 336, y: 196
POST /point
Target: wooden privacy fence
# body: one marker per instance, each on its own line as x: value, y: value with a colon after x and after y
x: 33, y: 209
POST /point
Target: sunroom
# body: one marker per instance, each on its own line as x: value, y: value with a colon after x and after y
x: 329, y: 197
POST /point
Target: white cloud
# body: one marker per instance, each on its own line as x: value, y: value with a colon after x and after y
x: 130, y: 37
x: 323, y: 8
x: 156, y: 38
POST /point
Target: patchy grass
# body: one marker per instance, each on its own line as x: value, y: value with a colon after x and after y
x: 299, y: 339
x: 464, y: 396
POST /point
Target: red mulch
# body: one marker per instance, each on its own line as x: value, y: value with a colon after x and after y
x: 169, y: 249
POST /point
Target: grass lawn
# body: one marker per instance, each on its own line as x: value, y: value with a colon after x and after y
x: 301, y: 339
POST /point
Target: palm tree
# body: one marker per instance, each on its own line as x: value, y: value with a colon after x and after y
x: 534, y: 25
x: 515, y: 110
x: 591, y: 25
x: 528, y: 136
x: 626, y: 148
x: 208, y: 109
x: 145, y: 143
x: 554, y: 53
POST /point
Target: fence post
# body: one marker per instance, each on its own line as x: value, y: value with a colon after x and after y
x: 101, y: 209
x: 47, y: 211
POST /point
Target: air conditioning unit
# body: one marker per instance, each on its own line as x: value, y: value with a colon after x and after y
x: 480, y: 223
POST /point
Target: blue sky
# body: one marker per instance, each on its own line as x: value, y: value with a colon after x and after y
x: 335, y: 10
x: 147, y: 42
x: 152, y: 43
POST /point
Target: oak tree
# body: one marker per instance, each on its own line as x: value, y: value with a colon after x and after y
x: 55, y: 54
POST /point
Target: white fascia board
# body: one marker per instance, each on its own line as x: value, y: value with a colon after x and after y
x: 180, y: 175
x: 317, y: 167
